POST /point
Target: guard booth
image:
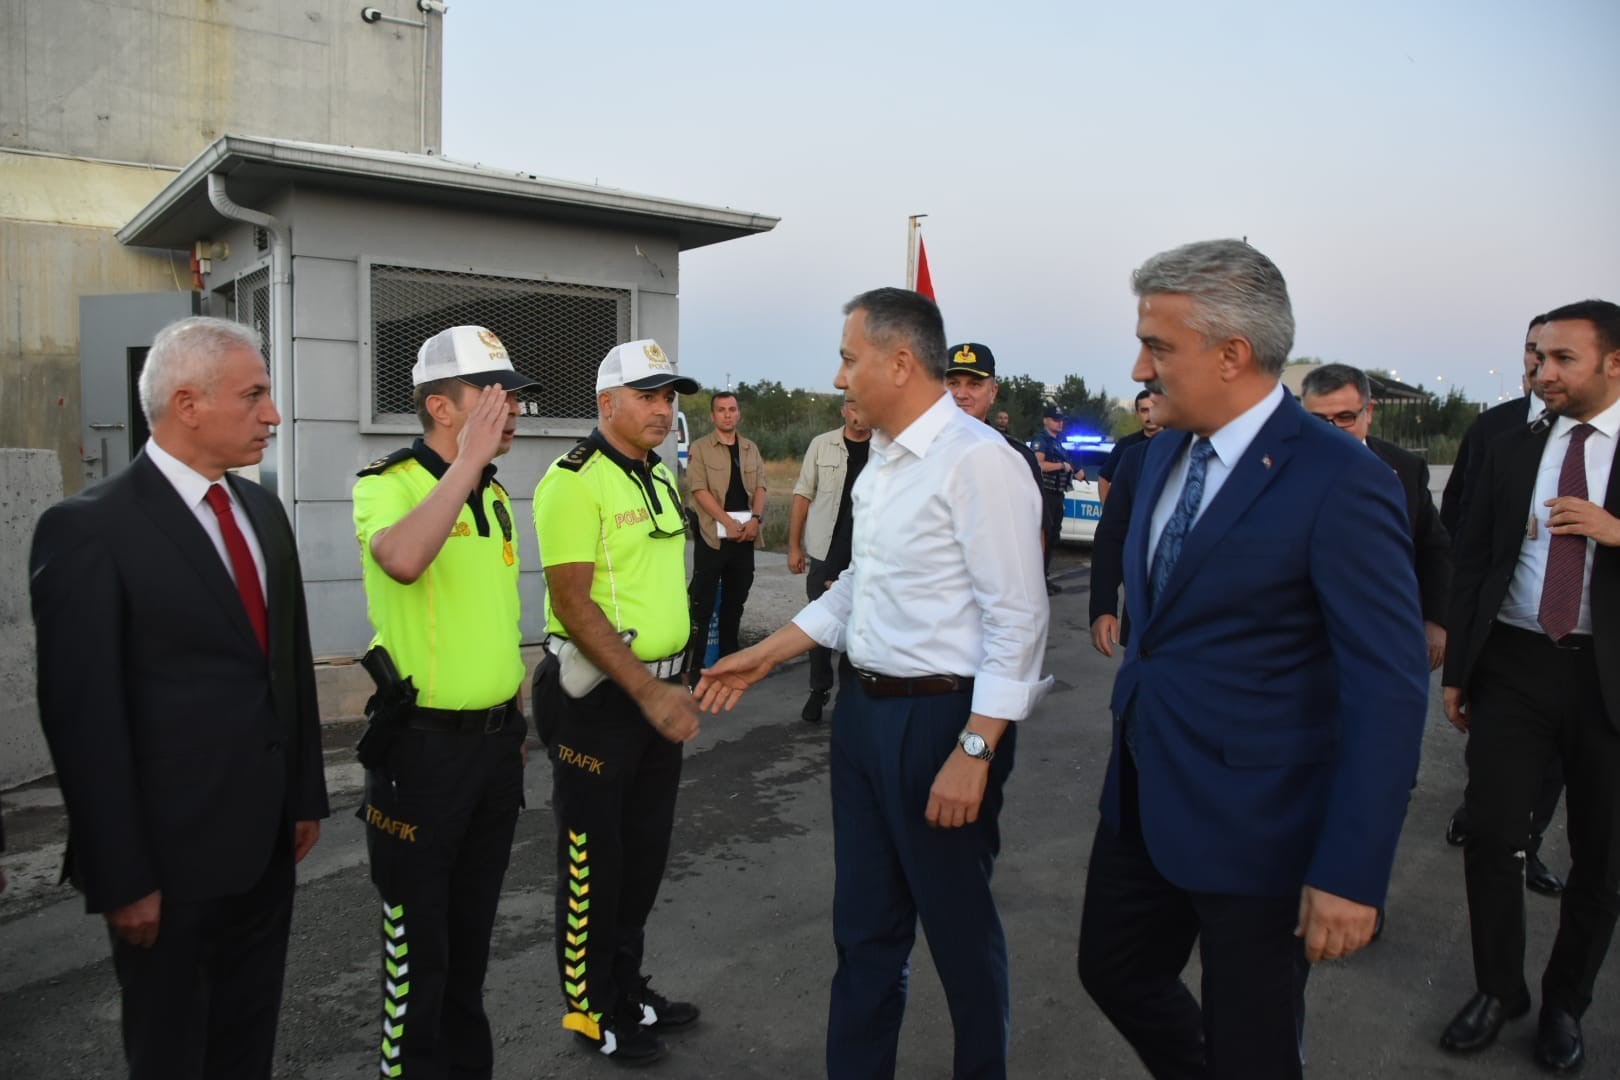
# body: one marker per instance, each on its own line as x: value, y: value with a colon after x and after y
x: 345, y: 259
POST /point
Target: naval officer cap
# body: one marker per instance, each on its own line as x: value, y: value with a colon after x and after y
x: 472, y: 354
x: 641, y: 365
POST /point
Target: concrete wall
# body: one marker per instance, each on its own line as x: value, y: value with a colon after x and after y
x: 331, y: 232
x: 157, y: 80
x: 30, y: 480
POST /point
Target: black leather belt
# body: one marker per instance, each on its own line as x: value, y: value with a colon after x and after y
x: 1570, y: 642
x: 488, y: 721
x: 888, y: 686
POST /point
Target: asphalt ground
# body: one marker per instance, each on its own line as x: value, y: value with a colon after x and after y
x: 743, y: 921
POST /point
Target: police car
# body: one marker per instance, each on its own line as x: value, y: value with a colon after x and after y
x: 1082, y: 506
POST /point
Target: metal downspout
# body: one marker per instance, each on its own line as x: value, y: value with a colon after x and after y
x: 281, y: 339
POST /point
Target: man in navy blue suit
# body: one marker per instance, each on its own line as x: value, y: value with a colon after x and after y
x: 1270, y: 706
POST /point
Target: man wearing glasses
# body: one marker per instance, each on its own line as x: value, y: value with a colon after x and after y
x: 1341, y: 395
x: 609, y: 697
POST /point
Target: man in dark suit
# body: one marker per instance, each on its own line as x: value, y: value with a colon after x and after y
x: 1271, y: 701
x: 1460, y: 486
x: 1110, y: 626
x: 1490, y: 424
x: 1534, y: 672
x: 1341, y: 395
x: 177, y: 693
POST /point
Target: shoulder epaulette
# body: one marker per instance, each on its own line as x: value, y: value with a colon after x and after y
x: 576, y: 458
x: 382, y: 464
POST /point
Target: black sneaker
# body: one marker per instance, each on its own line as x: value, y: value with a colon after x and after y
x: 811, y: 713
x: 625, y: 1039
x: 657, y: 1011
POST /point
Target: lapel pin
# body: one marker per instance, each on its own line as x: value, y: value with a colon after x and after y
x: 1266, y: 460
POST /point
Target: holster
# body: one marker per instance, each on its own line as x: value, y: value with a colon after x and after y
x: 385, y: 710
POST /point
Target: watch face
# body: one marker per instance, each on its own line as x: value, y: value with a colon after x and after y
x: 973, y: 744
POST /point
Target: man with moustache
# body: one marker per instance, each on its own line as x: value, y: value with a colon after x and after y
x: 1262, y: 752
x: 820, y: 528
x: 1533, y: 672
x: 611, y: 700
x: 177, y: 693
x: 970, y: 379
x: 438, y: 552
x: 943, y: 624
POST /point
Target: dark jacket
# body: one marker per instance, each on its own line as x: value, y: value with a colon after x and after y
x: 1431, y: 543
x: 183, y: 753
x: 1489, y: 425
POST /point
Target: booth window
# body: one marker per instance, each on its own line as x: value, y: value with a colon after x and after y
x: 553, y: 331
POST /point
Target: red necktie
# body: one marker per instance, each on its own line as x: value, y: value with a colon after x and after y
x: 1566, y: 554
x: 247, y: 575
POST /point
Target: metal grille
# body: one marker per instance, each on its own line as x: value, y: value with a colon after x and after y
x: 250, y: 305
x: 555, y: 332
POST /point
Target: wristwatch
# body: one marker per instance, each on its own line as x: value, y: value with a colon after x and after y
x: 974, y: 746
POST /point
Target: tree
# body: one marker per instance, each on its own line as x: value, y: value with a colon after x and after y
x: 1094, y: 412
x: 1023, y: 398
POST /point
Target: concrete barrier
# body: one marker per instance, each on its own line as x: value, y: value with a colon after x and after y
x: 30, y: 480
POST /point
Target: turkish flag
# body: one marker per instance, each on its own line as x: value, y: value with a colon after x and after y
x: 925, y: 283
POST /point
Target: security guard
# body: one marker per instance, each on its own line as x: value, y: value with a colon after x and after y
x: 439, y: 551
x: 609, y: 698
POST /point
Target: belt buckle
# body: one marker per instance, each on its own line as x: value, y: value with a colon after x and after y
x: 495, y: 719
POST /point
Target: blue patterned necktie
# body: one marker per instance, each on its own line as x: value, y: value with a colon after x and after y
x: 1176, y: 529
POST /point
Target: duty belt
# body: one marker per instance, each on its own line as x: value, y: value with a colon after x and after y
x: 667, y: 668
x: 488, y: 721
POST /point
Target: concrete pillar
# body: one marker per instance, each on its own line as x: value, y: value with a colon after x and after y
x: 30, y: 481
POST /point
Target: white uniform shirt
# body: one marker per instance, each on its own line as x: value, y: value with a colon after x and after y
x: 1522, y: 605
x: 947, y: 575
x: 192, y: 487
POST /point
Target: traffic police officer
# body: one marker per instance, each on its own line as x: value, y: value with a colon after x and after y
x: 439, y: 553
x: 609, y: 698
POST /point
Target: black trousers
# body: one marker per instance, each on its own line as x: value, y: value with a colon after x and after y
x: 203, y: 1001
x: 439, y: 824
x: 614, y: 781
x: 1136, y: 934
x: 818, y: 575
x: 1552, y: 789
x: 730, y: 567
x: 1531, y: 701
x: 1051, y: 522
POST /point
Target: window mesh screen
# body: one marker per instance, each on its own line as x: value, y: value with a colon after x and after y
x: 247, y: 301
x: 554, y: 332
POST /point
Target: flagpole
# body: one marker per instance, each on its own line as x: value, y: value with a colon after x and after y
x: 911, y: 249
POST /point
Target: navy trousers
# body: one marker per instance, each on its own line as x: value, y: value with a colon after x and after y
x: 893, y: 868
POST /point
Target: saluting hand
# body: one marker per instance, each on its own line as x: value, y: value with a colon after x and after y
x: 484, y: 434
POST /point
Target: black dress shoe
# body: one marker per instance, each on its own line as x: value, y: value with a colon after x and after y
x: 1539, y: 879
x: 1479, y: 1021
x: 1456, y: 830
x: 1053, y: 588
x: 811, y: 713
x: 1558, y: 1041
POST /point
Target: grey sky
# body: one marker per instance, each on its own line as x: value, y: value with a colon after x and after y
x: 1427, y: 175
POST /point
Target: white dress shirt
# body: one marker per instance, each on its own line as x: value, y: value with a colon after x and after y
x: 947, y: 576
x: 1230, y: 443
x: 1522, y: 605
x: 192, y: 487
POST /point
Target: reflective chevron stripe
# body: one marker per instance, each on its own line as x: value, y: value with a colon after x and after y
x: 580, y: 1017
x: 396, y: 988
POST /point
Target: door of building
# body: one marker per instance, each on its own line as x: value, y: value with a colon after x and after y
x: 114, y: 334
